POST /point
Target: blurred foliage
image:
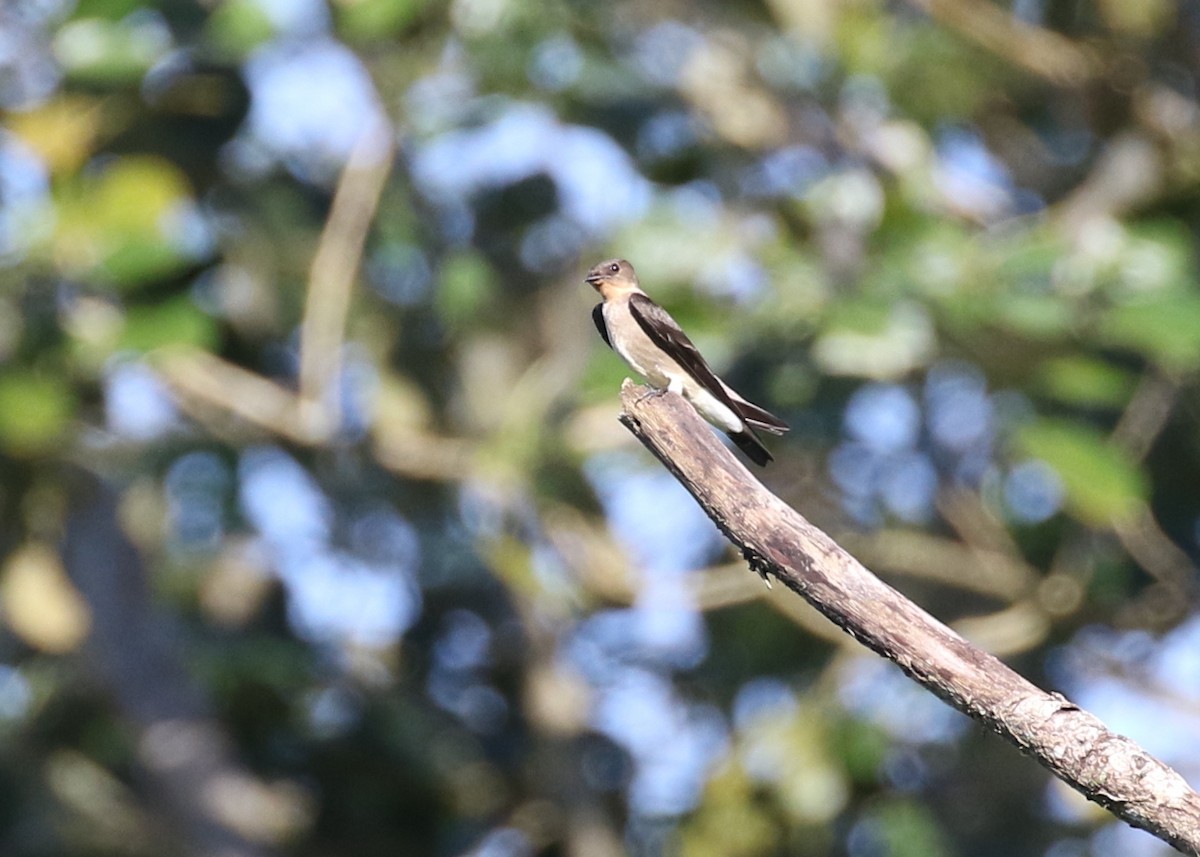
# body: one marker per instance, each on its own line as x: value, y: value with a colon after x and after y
x: 376, y: 570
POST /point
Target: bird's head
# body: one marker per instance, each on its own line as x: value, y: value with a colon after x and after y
x: 612, y: 277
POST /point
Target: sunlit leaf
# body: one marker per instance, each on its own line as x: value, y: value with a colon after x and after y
x: 1143, y: 19
x: 731, y: 823
x: 62, y: 131
x: 135, y: 193
x: 236, y: 27
x: 1043, y: 317
x: 862, y: 747
x: 465, y: 283
x: 109, y: 10
x: 1084, y: 381
x: 123, y: 223
x: 1101, y: 482
x: 866, y: 40
x: 98, y: 50
x: 908, y: 829
x: 1157, y: 256
x: 1166, y: 330
x: 935, y: 260
x: 34, y: 411
x: 1027, y: 259
x: 375, y: 19
x: 874, y: 340
x: 176, y: 322
x: 605, y: 371
x: 39, y: 603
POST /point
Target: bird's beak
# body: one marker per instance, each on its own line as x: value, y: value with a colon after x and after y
x: 594, y: 280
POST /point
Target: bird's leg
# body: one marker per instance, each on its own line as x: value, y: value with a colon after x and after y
x: 652, y: 393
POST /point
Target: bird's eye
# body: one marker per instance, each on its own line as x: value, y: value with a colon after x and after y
x: 615, y: 268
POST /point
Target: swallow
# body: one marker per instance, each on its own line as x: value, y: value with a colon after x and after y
x: 651, y: 342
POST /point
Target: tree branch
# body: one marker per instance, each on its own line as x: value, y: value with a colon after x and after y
x: 1037, y: 50
x: 1105, y: 767
x: 331, y: 277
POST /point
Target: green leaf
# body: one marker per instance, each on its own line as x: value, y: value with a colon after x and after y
x: 237, y: 27
x: 121, y: 224
x: 1043, y: 317
x: 34, y: 412
x: 1157, y: 256
x: 1165, y: 330
x: 862, y: 747
x: 141, y: 259
x: 175, y: 322
x: 111, y: 10
x: 909, y: 829
x: 1084, y: 381
x: 464, y: 286
x: 875, y: 340
x: 103, y: 51
x: 1027, y: 260
x: 868, y: 317
x: 1102, y: 484
x: 376, y: 19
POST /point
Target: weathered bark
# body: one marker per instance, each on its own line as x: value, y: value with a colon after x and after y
x: 1107, y: 768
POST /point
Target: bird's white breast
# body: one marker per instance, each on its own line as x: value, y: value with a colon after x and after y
x: 656, y: 366
x: 638, y: 350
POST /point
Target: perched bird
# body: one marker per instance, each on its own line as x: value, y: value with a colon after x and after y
x: 650, y: 341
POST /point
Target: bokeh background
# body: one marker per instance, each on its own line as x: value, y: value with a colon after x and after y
x: 320, y: 535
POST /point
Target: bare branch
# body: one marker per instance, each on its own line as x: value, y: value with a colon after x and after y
x: 1073, y: 744
x: 1037, y: 50
x: 1146, y: 415
x: 947, y: 562
x: 334, y: 267
x: 210, y: 389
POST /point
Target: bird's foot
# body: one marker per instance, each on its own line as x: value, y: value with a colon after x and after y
x: 652, y: 393
x: 757, y: 564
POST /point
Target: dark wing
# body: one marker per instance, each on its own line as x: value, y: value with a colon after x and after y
x: 669, y: 336
x: 756, y: 417
x: 598, y: 320
x: 749, y: 443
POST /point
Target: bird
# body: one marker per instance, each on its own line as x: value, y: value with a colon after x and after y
x: 654, y: 344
